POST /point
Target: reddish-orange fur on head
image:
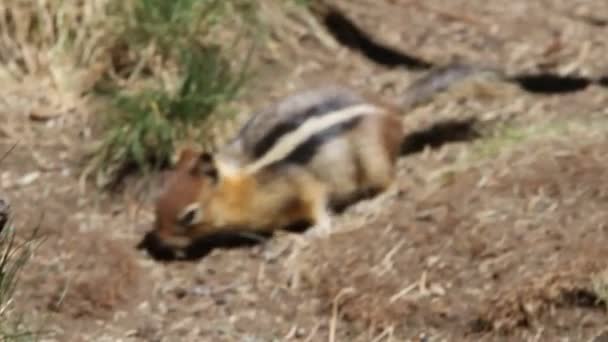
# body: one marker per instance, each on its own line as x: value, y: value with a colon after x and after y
x: 196, y: 201
x: 182, y: 188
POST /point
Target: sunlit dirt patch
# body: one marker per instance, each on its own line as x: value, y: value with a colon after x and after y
x: 101, y: 278
x: 539, y: 300
x: 496, y: 249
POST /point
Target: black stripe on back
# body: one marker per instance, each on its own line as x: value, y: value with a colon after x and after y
x: 327, y: 106
x: 307, y: 150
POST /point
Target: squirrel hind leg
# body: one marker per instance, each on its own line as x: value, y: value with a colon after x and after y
x: 377, y: 149
x: 323, y: 222
x: 320, y: 212
x: 314, y: 197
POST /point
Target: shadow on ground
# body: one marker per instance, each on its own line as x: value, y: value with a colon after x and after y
x: 347, y: 33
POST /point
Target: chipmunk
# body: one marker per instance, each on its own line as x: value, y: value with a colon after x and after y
x: 292, y: 162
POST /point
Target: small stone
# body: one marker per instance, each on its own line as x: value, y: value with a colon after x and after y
x: 28, y: 178
x: 41, y: 115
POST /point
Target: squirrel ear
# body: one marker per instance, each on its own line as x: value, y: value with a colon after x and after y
x: 205, y: 165
x: 184, y: 157
x: 195, y: 162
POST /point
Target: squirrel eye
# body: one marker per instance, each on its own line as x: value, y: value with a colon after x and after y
x: 190, y: 216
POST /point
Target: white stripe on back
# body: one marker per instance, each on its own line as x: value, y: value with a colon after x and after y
x: 290, y: 141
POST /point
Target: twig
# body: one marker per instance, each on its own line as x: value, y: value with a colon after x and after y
x: 403, y: 292
x: 292, y: 332
x: 388, y: 332
x: 5, y: 155
x: 313, y: 332
x: 334, y: 315
x: 387, y: 260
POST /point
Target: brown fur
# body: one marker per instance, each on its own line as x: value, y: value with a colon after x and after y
x: 353, y: 163
x: 361, y: 160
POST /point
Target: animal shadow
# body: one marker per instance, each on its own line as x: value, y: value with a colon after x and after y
x: 200, y: 248
x: 439, y: 134
x: 346, y: 32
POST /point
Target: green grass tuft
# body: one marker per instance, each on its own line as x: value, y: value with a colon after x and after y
x: 171, y: 23
x: 506, y: 137
x: 13, y: 257
x: 145, y: 125
x: 145, y: 122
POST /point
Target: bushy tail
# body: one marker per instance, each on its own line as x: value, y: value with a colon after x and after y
x: 441, y: 78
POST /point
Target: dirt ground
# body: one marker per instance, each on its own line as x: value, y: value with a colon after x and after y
x: 494, y: 236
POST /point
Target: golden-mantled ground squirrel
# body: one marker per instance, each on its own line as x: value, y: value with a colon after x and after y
x: 292, y: 162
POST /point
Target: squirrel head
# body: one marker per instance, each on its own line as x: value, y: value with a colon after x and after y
x: 180, y: 206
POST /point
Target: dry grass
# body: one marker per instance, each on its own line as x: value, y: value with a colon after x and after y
x: 90, y: 289
x: 57, y: 49
x: 160, y: 86
x: 68, y: 47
